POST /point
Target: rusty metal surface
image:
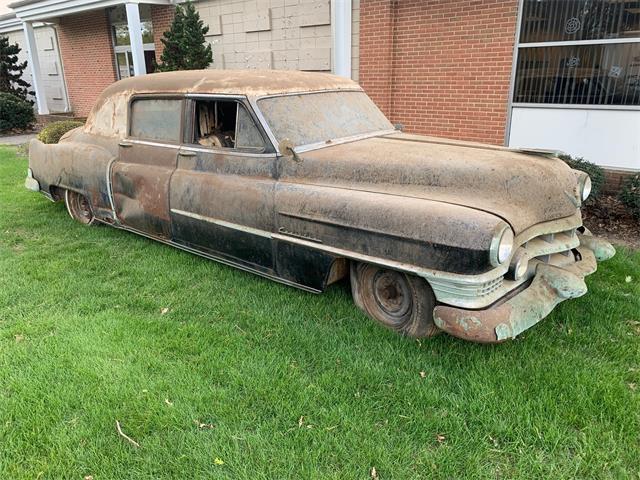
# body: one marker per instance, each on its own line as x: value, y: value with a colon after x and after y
x: 550, y: 286
x: 522, y: 189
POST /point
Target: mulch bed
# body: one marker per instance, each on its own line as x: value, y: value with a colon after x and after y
x: 611, y: 219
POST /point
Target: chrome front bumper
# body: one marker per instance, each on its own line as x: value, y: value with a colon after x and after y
x: 550, y: 285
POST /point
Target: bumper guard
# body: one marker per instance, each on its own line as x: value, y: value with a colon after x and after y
x: 550, y: 286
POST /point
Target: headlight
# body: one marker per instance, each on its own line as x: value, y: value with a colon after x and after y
x: 519, y: 265
x: 501, y: 246
x: 585, y: 188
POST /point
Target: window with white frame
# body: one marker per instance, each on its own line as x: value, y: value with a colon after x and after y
x: 582, y: 52
x: 122, y: 41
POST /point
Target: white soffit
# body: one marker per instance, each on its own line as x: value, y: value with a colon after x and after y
x: 34, y: 10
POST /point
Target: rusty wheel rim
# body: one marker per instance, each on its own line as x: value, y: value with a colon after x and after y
x: 392, y: 295
x: 79, y: 207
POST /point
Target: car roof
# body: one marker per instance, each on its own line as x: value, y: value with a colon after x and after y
x: 234, y: 82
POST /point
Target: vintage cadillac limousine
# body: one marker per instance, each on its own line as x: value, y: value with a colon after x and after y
x: 300, y: 178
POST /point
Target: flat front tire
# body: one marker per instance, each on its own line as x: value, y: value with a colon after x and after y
x: 401, y: 302
x: 79, y: 207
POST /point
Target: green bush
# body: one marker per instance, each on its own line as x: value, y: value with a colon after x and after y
x: 15, y: 113
x: 594, y: 171
x: 54, y: 131
x: 630, y: 195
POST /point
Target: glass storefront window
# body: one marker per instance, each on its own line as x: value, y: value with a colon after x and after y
x: 605, y: 74
x: 563, y: 20
x: 582, y: 52
x: 121, y: 33
x: 122, y: 41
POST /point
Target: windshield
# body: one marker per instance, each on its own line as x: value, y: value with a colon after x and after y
x: 317, y: 117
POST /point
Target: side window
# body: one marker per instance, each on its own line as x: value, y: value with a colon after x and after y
x: 156, y: 119
x: 225, y: 124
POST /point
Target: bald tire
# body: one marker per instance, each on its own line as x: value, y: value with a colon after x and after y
x: 398, y: 301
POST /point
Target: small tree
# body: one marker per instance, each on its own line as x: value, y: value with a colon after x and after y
x: 185, y: 47
x: 11, y: 70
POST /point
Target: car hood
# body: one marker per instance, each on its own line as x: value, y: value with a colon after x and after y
x: 523, y: 189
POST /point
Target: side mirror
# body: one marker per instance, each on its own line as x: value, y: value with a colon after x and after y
x: 286, y: 147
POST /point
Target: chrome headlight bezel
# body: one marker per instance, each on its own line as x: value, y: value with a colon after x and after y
x: 501, y: 245
x: 585, y: 187
x: 519, y: 265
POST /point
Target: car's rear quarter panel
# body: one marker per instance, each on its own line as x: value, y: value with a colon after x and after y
x: 79, y: 162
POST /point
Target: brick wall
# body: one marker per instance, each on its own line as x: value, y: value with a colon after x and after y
x: 440, y: 67
x: 87, y: 57
x: 161, y: 18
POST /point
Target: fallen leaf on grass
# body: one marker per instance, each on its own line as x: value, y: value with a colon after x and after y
x: 19, y: 337
x: 632, y: 386
x: 374, y: 473
x: 627, y: 279
x: 423, y: 374
x: 440, y: 438
x: 168, y: 402
x: 204, y: 425
x: 164, y: 310
x: 218, y: 461
x: 88, y: 477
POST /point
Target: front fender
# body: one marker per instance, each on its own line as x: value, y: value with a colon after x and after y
x: 424, y: 233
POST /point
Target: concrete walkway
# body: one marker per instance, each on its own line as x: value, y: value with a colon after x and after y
x: 17, y: 139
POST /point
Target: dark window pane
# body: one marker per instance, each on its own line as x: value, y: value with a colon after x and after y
x: 563, y: 20
x: 156, y: 119
x: 606, y: 74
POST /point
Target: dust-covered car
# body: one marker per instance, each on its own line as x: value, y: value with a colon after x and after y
x: 300, y: 178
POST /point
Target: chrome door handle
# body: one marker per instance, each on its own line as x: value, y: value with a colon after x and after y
x: 125, y: 144
x: 186, y: 153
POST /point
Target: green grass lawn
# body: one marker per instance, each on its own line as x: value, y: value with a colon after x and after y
x: 218, y: 373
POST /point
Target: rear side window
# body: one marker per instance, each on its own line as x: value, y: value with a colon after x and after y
x: 156, y: 119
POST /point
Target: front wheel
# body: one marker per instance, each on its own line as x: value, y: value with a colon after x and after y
x: 398, y: 301
x: 78, y: 207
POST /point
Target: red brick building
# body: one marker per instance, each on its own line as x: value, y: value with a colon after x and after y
x: 440, y: 67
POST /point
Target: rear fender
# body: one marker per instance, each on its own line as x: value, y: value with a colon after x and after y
x: 77, y: 166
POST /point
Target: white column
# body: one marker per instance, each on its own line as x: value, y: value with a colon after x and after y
x: 135, y: 34
x: 341, y: 36
x: 34, y: 63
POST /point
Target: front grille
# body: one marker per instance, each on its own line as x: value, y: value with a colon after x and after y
x: 545, y: 247
x: 462, y: 289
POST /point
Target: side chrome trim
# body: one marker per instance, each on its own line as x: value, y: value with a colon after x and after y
x: 395, y: 265
x: 154, y: 144
x: 222, y: 223
x: 226, y: 151
x: 110, y: 188
x: 216, y: 258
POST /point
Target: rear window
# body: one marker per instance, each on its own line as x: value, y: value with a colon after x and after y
x: 156, y: 119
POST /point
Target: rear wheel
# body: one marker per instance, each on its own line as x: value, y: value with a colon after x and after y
x: 396, y: 300
x: 78, y: 207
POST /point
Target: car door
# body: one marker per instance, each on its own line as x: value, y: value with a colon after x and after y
x: 147, y: 158
x: 222, y: 192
